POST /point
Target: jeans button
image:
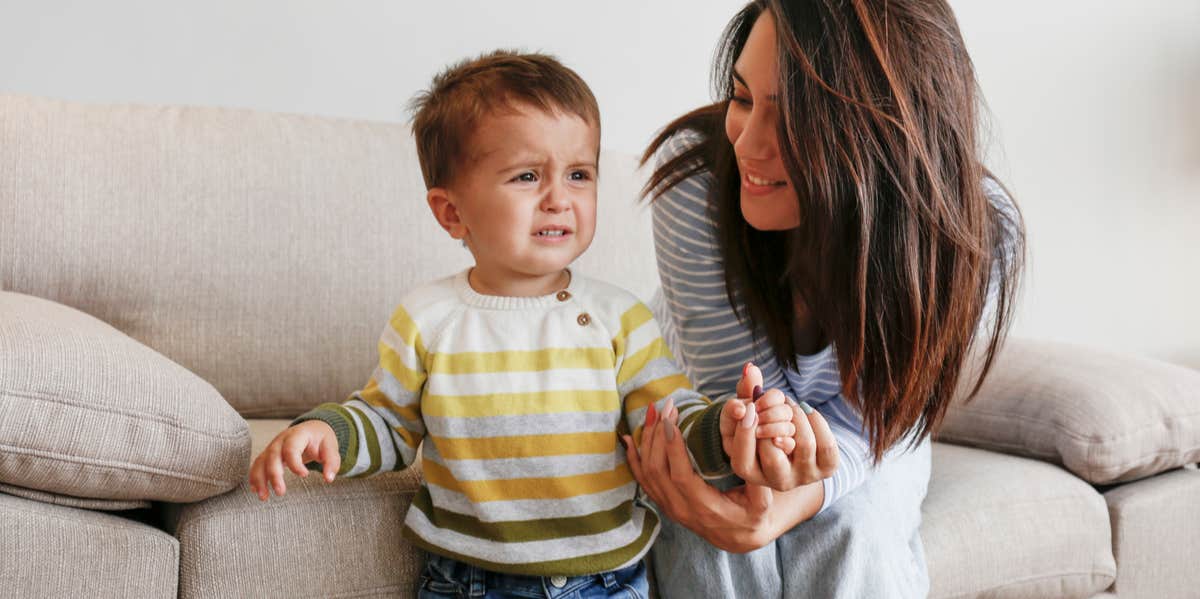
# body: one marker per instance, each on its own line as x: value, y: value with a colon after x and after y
x: 558, y: 581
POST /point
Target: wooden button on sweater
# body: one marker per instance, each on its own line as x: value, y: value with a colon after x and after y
x: 584, y: 319
x: 563, y: 295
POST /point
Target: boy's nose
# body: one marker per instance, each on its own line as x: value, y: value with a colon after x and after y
x: 555, y: 200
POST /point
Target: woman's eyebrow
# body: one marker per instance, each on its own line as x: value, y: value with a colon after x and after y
x: 740, y: 79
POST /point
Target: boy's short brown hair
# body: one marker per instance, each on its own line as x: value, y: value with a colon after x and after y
x: 445, y: 115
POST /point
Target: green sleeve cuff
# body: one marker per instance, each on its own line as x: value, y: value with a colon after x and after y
x: 342, y: 424
x: 704, y: 443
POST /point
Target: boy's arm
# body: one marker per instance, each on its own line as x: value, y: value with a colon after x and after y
x: 380, y: 427
x: 647, y: 373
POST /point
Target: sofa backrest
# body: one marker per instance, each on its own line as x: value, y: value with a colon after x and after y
x: 264, y: 252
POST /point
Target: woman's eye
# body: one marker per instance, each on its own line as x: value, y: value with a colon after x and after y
x: 526, y: 177
x: 740, y: 100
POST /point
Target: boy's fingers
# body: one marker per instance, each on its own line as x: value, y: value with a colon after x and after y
x: 775, y: 429
x: 275, y: 469
x: 331, y: 460
x: 785, y: 444
x: 779, y: 413
x: 770, y: 399
x: 731, y: 413
x: 293, y: 448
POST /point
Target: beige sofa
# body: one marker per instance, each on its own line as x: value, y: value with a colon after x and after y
x: 176, y: 283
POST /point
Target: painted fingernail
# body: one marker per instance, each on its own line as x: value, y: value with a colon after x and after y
x: 746, y: 368
x: 651, y: 415
x: 807, y: 409
x: 757, y: 392
x: 670, y: 431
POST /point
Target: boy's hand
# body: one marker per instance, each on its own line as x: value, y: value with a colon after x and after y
x: 310, y: 441
x: 772, y: 416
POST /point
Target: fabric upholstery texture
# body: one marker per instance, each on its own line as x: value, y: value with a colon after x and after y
x: 56, y: 551
x: 206, y: 234
x: 104, y: 505
x: 1004, y: 527
x: 87, y: 412
x: 337, y: 539
x: 1149, y: 516
x: 1105, y: 417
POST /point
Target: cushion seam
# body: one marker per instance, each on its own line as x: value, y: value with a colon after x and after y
x: 126, y: 413
x: 214, y: 482
x: 1063, y: 429
x: 280, y: 505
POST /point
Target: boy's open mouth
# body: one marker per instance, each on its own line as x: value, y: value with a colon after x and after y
x: 554, y: 231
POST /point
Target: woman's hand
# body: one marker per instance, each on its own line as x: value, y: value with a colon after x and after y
x: 738, y: 520
x: 766, y: 461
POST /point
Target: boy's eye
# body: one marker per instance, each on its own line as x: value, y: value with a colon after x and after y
x: 526, y: 177
x: 580, y: 175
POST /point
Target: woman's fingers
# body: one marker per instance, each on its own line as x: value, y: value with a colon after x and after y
x: 731, y: 413
x: 826, y: 448
x: 775, y: 429
x: 751, y: 378
x: 743, y: 456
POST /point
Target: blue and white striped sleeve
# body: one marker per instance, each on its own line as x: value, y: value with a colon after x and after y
x: 712, y: 344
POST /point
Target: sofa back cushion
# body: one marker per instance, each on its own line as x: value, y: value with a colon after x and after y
x: 264, y: 252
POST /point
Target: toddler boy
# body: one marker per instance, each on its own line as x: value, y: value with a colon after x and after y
x: 519, y: 374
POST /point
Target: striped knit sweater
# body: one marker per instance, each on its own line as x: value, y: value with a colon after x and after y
x: 520, y: 402
x: 712, y: 343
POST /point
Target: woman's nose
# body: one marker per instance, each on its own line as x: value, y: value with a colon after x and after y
x: 758, y: 139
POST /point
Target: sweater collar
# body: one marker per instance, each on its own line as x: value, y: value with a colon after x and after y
x: 503, y: 302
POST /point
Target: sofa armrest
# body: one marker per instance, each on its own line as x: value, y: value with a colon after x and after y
x: 1106, y: 417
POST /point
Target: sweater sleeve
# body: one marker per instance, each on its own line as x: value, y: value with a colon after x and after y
x: 380, y: 427
x: 647, y: 374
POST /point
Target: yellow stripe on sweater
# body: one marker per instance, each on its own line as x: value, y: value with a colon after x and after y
x: 562, y: 487
x: 655, y: 390
x: 522, y: 404
x: 553, y: 358
x: 376, y: 398
x: 525, y: 446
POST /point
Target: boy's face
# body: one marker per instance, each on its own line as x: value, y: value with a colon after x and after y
x: 525, y: 200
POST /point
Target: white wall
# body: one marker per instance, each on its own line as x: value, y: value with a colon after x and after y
x: 1096, y: 108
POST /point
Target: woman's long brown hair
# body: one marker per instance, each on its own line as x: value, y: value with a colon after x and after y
x: 898, y: 241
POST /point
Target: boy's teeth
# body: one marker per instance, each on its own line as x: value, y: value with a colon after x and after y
x: 550, y: 233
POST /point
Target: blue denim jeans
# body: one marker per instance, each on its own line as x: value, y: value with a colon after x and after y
x: 445, y: 577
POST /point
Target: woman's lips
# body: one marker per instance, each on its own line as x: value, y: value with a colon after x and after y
x: 759, y: 185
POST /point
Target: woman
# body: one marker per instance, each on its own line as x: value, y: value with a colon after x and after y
x: 830, y: 220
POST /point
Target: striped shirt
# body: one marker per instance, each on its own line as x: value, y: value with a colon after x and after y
x: 520, y: 402
x: 712, y: 344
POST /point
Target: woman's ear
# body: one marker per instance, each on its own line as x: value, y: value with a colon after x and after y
x: 445, y: 211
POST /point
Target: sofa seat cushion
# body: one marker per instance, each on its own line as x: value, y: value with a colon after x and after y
x: 319, y: 540
x: 89, y: 413
x: 1156, y: 526
x: 1000, y: 526
x: 1107, y: 417
x: 57, y: 551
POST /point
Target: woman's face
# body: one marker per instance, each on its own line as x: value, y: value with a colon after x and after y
x: 768, y: 198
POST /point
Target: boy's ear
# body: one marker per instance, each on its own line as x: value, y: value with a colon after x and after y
x: 446, y: 212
